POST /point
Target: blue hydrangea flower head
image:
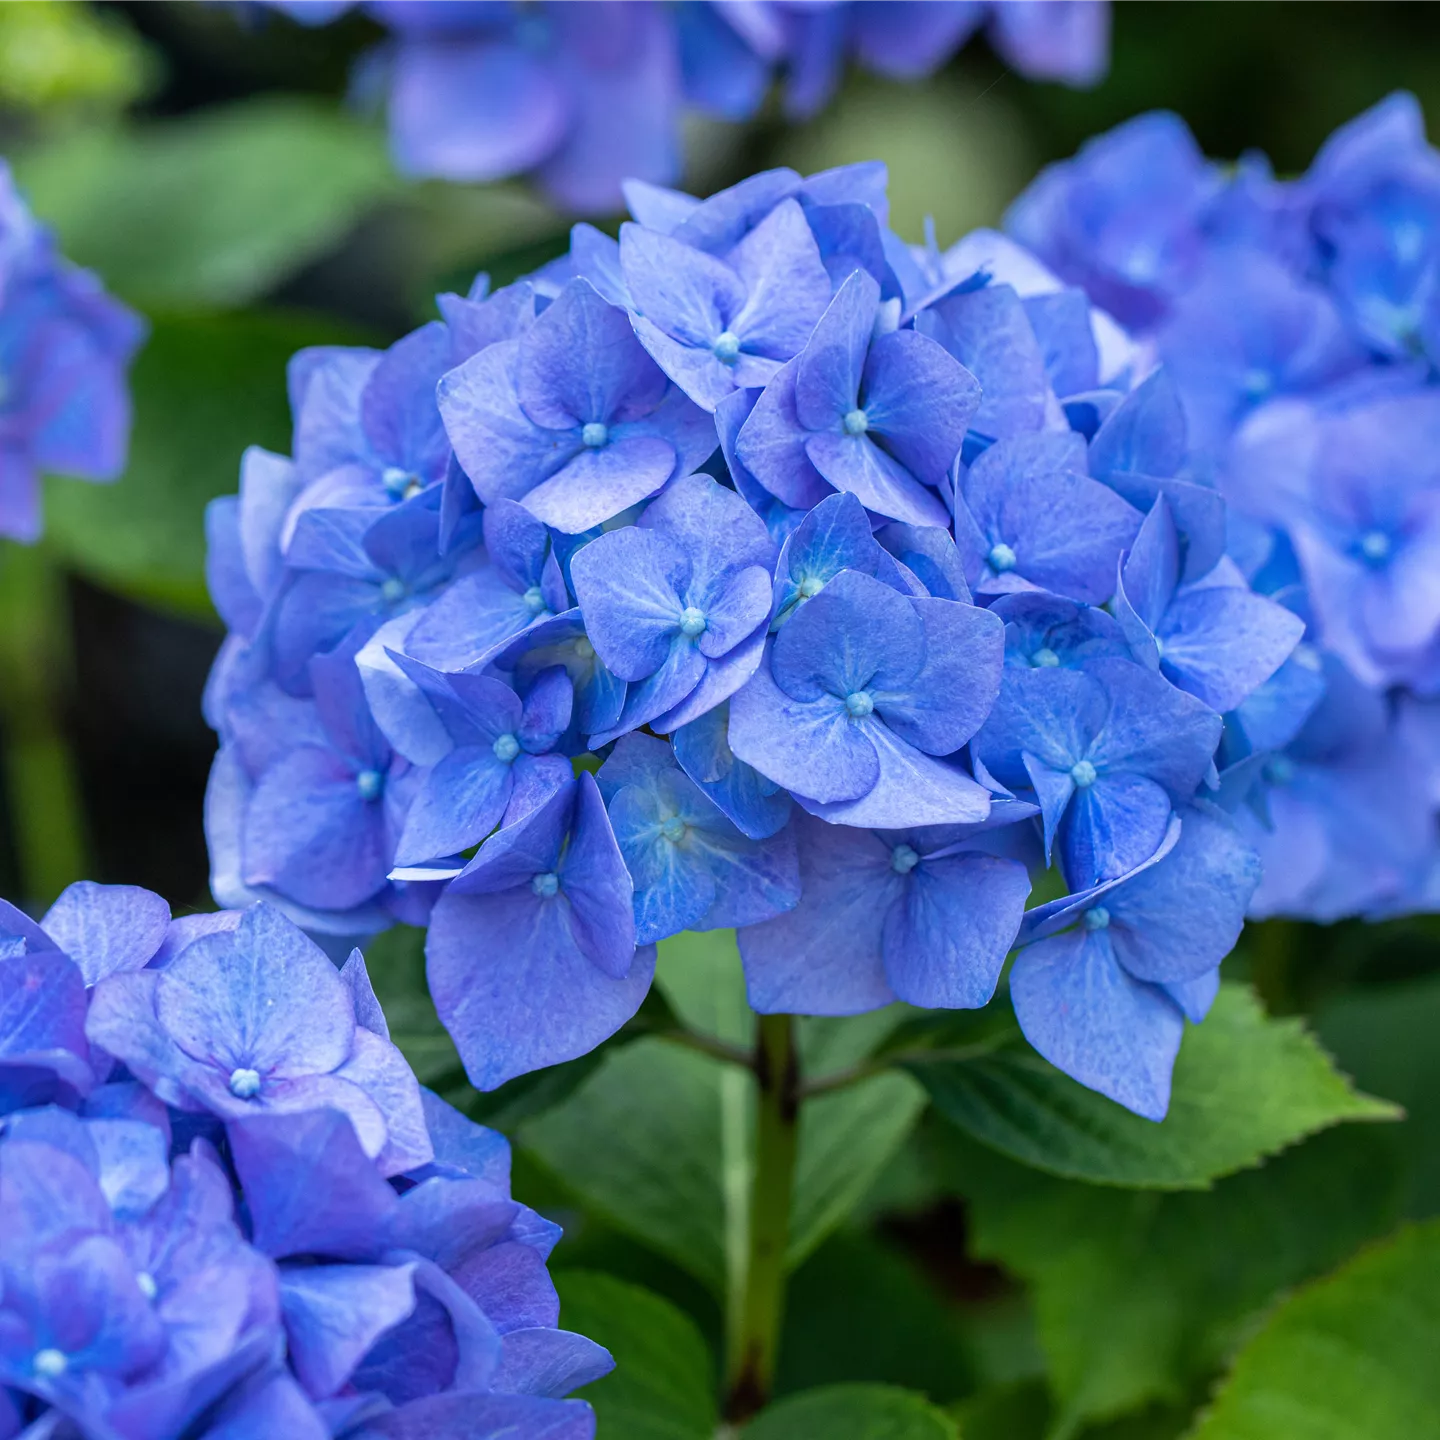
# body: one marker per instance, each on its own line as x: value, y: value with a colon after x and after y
x: 65, y: 352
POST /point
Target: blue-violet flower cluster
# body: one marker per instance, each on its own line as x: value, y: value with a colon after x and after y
x: 584, y: 94
x: 1299, y: 324
x: 757, y: 570
x: 228, y: 1211
x: 65, y: 350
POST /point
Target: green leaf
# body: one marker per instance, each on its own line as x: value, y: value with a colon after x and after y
x: 1245, y: 1087
x: 699, y: 973
x: 853, y: 1412
x: 663, y: 1384
x: 1353, y: 1357
x: 1141, y: 1296
x: 204, y: 388
x: 213, y: 208
x: 1384, y: 1036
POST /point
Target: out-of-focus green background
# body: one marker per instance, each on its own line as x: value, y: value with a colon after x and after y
x: 204, y: 159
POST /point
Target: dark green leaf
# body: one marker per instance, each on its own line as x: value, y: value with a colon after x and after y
x: 213, y: 208
x: 1245, y: 1086
x: 204, y: 388
x: 853, y: 1412
x: 1353, y: 1357
x: 663, y: 1384
x: 1141, y: 1296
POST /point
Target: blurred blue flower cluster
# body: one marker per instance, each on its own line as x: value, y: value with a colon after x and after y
x: 228, y: 1210
x: 757, y: 570
x: 65, y: 349
x: 587, y: 93
x: 1299, y: 323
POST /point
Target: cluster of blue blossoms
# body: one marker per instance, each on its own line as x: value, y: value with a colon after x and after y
x: 760, y: 571
x: 229, y: 1212
x: 1299, y: 323
x: 585, y: 94
x: 65, y: 348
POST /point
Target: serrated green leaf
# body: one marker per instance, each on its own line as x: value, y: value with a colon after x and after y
x: 1245, y: 1087
x: 663, y: 1384
x: 1352, y: 1357
x: 853, y: 1412
x: 1140, y: 1296
x: 204, y: 387
x: 210, y: 209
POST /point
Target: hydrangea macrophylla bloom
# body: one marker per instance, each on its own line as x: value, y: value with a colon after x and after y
x: 584, y: 96
x: 871, y: 600
x: 65, y: 349
x: 916, y: 915
x: 863, y: 689
x: 1109, y: 974
x: 258, y: 1020
x: 532, y: 955
x: 1028, y: 517
x: 676, y: 605
x: 692, y: 868
x: 573, y: 419
x: 1107, y: 750
x: 881, y: 419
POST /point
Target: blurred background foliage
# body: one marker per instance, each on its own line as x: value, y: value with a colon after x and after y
x: 206, y: 160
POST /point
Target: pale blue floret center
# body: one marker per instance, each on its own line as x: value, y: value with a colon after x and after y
x: 856, y: 422
x: 692, y: 622
x: 1082, y: 772
x: 1001, y: 557
x: 400, y: 483
x: 903, y: 859
x: 369, y: 783
x: 392, y: 591
x: 859, y: 704
x: 506, y: 748
x: 534, y: 600
x: 1375, y: 546
x: 594, y: 435
x: 1280, y: 770
x: 51, y: 1363
x: 545, y: 884
x: 673, y: 829
x: 1045, y: 658
x: 810, y: 587
x: 145, y: 1283
x: 726, y: 348
x: 244, y: 1083
x: 1097, y: 918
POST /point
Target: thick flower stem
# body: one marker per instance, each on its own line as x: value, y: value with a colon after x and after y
x: 759, y: 1307
x: 41, y: 783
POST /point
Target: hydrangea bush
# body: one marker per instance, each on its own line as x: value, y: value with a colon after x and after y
x: 754, y: 571
x: 1297, y: 323
x: 65, y: 348
x: 227, y: 1208
x: 585, y: 95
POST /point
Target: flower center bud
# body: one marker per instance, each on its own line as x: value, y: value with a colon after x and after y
x: 1002, y: 558
x: 856, y: 423
x: 534, y: 600
x: 1097, y: 918
x: 903, y: 859
x: 145, y: 1282
x: 1257, y: 384
x: 506, y: 748
x: 594, y: 435
x: 692, y: 622
x: 400, y: 484
x: 584, y: 649
x: 811, y: 586
x: 1045, y: 658
x: 545, y: 884
x: 51, y: 1363
x: 1280, y: 770
x: 1082, y: 772
x: 369, y: 783
x: 1306, y: 656
x: 726, y: 348
x: 674, y: 829
x: 244, y: 1083
x: 859, y: 704
x: 1375, y: 546
x: 392, y: 591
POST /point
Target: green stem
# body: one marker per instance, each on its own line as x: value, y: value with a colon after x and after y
x: 754, y: 1329
x: 46, y: 814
